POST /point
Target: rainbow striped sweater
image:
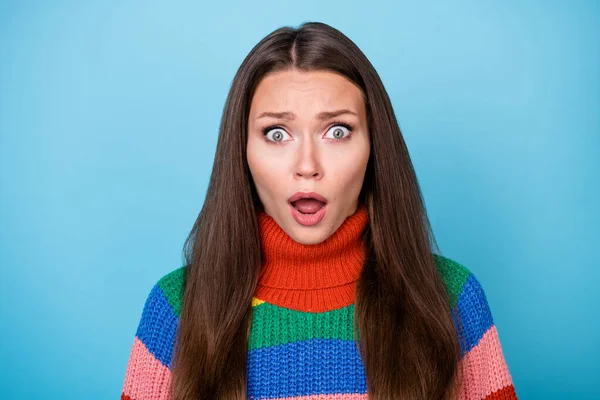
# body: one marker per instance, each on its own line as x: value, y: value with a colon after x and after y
x: 302, y: 348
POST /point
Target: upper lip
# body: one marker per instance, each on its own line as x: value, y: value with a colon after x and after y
x: 307, y: 195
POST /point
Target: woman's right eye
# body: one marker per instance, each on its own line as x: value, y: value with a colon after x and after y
x: 277, y: 134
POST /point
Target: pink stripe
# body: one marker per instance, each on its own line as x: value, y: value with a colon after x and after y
x: 485, y: 369
x: 351, y: 396
x: 146, y: 377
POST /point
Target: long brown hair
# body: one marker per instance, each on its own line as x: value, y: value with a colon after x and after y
x: 403, y: 323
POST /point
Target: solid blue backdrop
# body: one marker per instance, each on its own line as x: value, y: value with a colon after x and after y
x: 109, y: 115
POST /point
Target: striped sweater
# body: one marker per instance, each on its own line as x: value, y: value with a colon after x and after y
x: 301, y: 343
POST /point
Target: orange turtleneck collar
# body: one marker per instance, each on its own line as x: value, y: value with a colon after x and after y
x: 315, y: 277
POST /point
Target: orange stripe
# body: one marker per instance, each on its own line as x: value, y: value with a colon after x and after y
x: 146, y: 377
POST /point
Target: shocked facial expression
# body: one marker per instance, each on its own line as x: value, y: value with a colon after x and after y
x: 308, y: 134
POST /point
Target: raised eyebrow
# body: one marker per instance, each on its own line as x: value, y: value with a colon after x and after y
x: 323, y: 116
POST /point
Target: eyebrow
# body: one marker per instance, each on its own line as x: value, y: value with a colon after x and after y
x: 325, y: 115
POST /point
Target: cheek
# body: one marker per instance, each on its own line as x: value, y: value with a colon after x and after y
x: 348, y: 168
x: 352, y: 176
x: 257, y: 170
x: 256, y: 163
x: 266, y: 171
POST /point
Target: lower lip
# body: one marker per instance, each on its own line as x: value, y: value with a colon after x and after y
x: 308, y: 219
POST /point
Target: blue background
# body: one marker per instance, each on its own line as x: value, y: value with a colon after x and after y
x: 109, y: 115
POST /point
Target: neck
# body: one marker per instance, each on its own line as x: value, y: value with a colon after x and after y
x: 314, y: 277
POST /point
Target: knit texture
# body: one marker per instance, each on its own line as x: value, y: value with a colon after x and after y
x: 301, y: 344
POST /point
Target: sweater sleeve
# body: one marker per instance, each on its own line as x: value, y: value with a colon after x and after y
x: 486, y: 374
x: 148, y: 374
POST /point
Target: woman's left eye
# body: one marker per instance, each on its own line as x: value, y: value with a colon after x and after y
x: 340, y: 131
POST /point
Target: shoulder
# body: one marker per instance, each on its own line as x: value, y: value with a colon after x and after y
x: 160, y: 316
x: 468, y: 300
x: 167, y: 292
x: 454, y: 275
x: 171, y: 285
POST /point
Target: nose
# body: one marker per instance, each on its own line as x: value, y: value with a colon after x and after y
x: 307, y: 163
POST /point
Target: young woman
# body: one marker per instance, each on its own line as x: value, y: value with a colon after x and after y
x: 311, y: 271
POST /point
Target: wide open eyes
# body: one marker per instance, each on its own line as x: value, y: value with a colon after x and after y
x: 339, y: 131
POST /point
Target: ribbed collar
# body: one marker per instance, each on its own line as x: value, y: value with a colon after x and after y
x: 318, y: 277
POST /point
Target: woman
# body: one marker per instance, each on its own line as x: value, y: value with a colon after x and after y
x: 311, y: 267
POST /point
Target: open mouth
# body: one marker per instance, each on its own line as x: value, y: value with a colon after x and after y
x: 308, y: 205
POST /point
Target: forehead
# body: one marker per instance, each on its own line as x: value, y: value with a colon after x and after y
x: 295, y: 90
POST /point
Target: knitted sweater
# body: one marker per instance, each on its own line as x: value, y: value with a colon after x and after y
x: 301, y: 343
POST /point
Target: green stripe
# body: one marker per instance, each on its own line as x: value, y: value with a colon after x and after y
x: 172, y: 286
x: 294, y: 326
x: 454, y: 274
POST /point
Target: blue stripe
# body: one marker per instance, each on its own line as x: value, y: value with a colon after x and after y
x: 315, y: 366
x: 475, y: 313
x: 158, y: 326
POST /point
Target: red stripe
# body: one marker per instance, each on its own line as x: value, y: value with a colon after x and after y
x: 506, y: 393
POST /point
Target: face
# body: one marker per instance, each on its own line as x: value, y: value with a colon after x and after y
x: 319, y: 143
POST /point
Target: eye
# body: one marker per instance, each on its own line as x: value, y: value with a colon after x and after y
x: 339, y: 129
x: 278, y: 133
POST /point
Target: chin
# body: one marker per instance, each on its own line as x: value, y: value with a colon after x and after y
x: 310, y: 238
